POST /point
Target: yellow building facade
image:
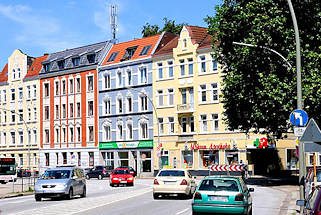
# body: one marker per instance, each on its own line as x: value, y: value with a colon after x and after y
x: 19, y: 110
x: 189, y: 112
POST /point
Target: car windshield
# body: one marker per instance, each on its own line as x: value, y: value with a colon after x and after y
x: 56, y: 174
x: 121, y: 172
x: 174, y: 173
x: 219, y: 185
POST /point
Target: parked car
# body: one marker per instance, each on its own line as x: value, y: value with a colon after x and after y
x: 61, y: 182
x: 131, y: 170
x: 312, y: 203
x: 309, y: 183
x: 173, y: 181
x: 121, y: 176
x: 222, y: 195
x: 23, y: 173
x: 99, y: 172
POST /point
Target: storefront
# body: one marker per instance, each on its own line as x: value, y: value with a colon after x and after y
x: 138, y: 155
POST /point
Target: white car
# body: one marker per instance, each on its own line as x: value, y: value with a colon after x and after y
x: 173, y: 181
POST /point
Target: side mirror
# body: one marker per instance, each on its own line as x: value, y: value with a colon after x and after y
x: 300, y: 203
x: 251, y: 189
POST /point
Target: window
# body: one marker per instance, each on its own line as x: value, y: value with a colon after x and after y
x: 34, y: 113
x: 184, y: 96
x: 215, y: 120
x: 171, y: 125
x: 143, y: 103
x: 143, y: 75
x: 91, y: 158
x: 187, y: 161
x: 13, y: 117
x: 78, y: 85
x: 190, y: 66
x: 47, y: 159
x: 214, y: 62
x: 119, y: 78
x: 184, y: 43
x: 91, y: 133
x: 64, y: 87
x: 164, y: 159
x: 56, y: 88
x: 145, y: 50
x: 21, y: 137
x: 143, y: 130
x: 34, y: 91
x: 129, y: 53
x: 90, y: 108
x: 76, y: 61
x: 78, y: 109
x: 184, y: 124
x: 112, y: 57
x: 46, y: 67
x: 20, y: 115
x: 64, y: 158
x: 160, y: 98
x: 57, y: 111
x: 160, y: 70
x: 71, y: 86
x: 57, y: 135
x: 170, y: 69
x: 29, y: 137
x: 129, y: 104
x: 203, y: 63
x: 28, y: 92
x: 71, y: 105
x: 64, y: 114
x: 120, y: 105
x: 107, y: 106
x: 13, y: 137
x: 107, y: 81
x: 129, y: 131
x: 191, y: 124
x: 4, y: 96
x: 107, y: 132
x: 123, y: 159
x: 13, y: 96
x: 208, y: 157
x: 5, y: 116
x: 170, y: 96
x: 64, y: 134
x: 90, y: 83
x: 214, y: 92
x: 4, y: 138
x: 20, y: 93
x: 203, y: 93
x: 29, y: 114
x: 78, y: 134
x: 35, y: 136
x: 46, y: 112
x: 91, y: 58
x: 46, y: 135
x: 20, y: 160
x: 161, y: 125
x: 119, y: 131
x: 129, y: 77
x: 71, y: 134
x: 61, y: 64
x: 203, y: 123
x: 182, y: 67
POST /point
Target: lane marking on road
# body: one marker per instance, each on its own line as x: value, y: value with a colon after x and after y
x: 183, y: 211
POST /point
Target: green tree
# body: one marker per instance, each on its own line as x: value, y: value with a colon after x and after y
x: 259, y: 91
x: 169, y: 26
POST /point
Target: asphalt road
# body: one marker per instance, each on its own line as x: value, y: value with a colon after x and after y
x: 137, y: 200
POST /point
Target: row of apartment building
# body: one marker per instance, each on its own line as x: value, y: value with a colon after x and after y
x: 148, y: 103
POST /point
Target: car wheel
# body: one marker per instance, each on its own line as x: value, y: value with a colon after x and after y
x: 70, y: 194
x: 87, y: 177
x: 112, y: 185
x: 83, y: 195
x: 155, y: 196
x: 100, y: 177
x: 38, y: 198
x: 131, y: 184
x: 250, y: 213
x: 195, y: 213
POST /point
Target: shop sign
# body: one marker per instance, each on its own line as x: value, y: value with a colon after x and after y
x: 261, y: 143
x: 142, y: 144
x: 113, y: 145
x: 212, y: 146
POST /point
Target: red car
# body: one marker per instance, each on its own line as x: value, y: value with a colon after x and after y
x: 121, y: 176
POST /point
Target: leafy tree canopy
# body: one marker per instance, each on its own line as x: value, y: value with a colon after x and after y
x: 259, y: 90
x: 169, y: 26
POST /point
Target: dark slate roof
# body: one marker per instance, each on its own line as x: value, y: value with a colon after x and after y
x: 69, y: 54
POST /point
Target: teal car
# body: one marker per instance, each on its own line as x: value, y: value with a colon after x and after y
x: 222, y: 195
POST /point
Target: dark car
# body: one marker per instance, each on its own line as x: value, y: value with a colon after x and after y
x: 99, y: 172
x: 312, y: 203
x: 131, y: 170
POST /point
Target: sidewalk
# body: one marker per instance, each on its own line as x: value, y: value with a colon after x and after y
x: 14, y: 189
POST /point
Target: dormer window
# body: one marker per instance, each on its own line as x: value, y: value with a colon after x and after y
x: 46, y: 67
x: 61, y: 64
x: 76, y: 61
x: 145, y: 50
x: 112, y: 57
x: 129, y: 53
x: 91, y: 58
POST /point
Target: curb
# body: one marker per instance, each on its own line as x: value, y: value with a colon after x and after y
x: 15, y: 195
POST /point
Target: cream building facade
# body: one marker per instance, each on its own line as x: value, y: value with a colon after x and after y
x: 189, y: 112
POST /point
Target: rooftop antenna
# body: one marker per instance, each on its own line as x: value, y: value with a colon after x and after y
x: 113, y: 21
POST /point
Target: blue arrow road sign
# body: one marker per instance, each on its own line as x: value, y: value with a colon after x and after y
x: 299, y: 118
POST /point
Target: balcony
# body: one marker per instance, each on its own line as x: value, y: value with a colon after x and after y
x: 185, y: 108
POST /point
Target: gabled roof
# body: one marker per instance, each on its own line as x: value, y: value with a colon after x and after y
x: 36, y: 66
x: 196, y: 33
x: 4, y: 74
x: 140, y: 43
x: 168, y: 48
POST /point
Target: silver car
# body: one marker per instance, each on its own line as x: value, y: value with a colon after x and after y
x: 61, y: 182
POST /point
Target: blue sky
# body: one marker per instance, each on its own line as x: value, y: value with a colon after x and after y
x: 43, y: 26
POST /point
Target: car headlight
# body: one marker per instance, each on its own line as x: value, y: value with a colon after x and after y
x: 38, y: 186
x: 115, y: 178
x: 61, y: 186
x: 131, y: 178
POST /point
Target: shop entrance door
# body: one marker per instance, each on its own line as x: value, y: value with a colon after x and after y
x: 266, y: 161
x: 135, y: 160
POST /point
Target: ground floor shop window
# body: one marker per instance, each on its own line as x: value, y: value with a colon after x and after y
x: 109, y: 159
x: 146, y: 161
x: 91, y: 158
x: 208, y: 157
x: 123, y: 159
x: 231, y: 157
x: 64, y: 156
x: 164, y: 159
x: 292, y: 159
x: 187, y: 158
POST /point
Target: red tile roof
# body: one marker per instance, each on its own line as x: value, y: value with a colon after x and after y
x: 4, y: 74
x: 140, y: 43
x: 168, y: 48
x: 36, y: 66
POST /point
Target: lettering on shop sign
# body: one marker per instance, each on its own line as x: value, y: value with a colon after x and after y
x: 261, y: 143
x: 212, y: 146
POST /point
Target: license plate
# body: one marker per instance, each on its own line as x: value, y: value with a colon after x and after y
x: 218, y: 198
x: 123, y: 182
x: 170, y: 182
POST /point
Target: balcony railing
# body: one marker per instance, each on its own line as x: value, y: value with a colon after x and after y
x: 185, y: 108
